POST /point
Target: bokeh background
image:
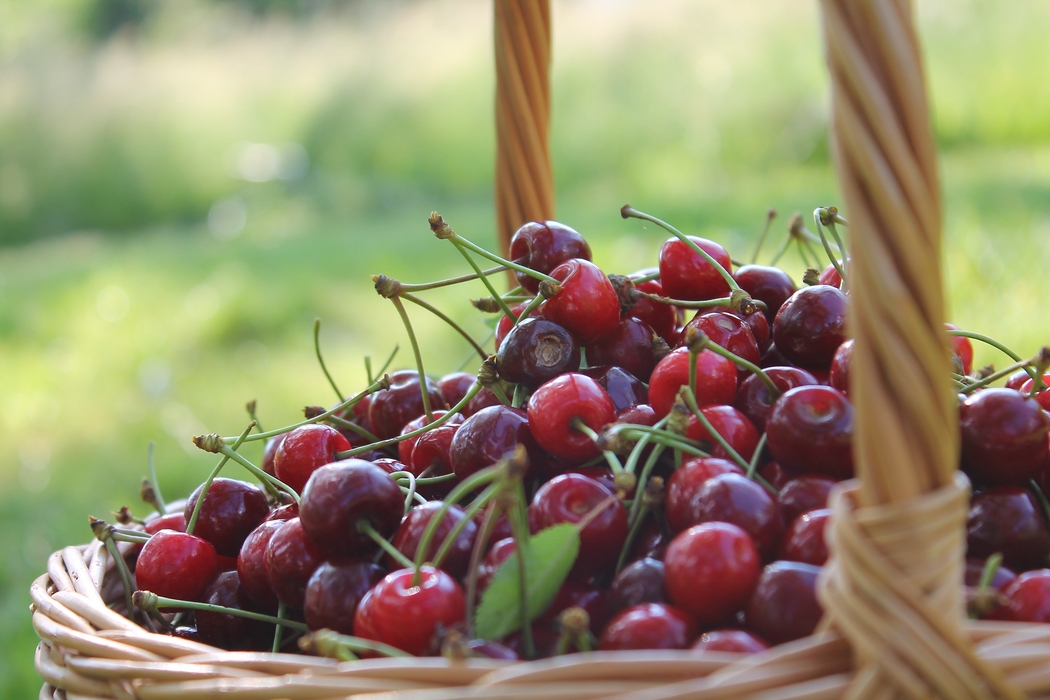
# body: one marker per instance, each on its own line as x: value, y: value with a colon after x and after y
x: 185, y: 185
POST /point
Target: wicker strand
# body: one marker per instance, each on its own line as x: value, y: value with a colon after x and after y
x: 524, y: 180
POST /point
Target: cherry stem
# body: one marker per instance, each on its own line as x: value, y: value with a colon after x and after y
x: 278, y: 631
x: 532, y: 306
x: 440, y: 314
x: 500, y: 394
x: 250, y: 406
x: 694, y: 352
x: 158, y: 499
x: 410, y: 491
x: 638, y: 508
x: 520, y: 530
x: 339, y: 422
x: 651, y: 277
x: 717, y: 349
x: 211, y: 477
x: 689, y: 397
x: 752, y: 467
x: 452, y: 280
x: 1040, y: 496
x: 770, y: 215
x: 630, y: 212
x: 782, y: 249
x: 427, y: 410
x: 259, y: 473
x: 365, y: 528
x: 476, y: 505
x: 820, y: 214
x: 991, y: 568
x: 639, y: 447
x: 436, y: 423
x: 481, y: 545
x: 442, y: 230
x: 122, y: 535
x: 660, y: 437
x: 519, y: 396
x: 342, y: 647
x: 320, y: 359
x: 610, y: 457
x: 804, y: 252
x: 1004, y: 372
x: 386, y: 365
x: 151, y: 603
x: 104, y: 531
x: 1036, y: 379
x: 485, y: 280
x: 689, y: 304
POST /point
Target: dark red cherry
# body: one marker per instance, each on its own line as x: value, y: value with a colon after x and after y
x: 731, y: 640
x: 683, y: 489
x: 305, y: 449
x: 334, y: 591
x: 567, y: 499
x: 432, y: 457
x: 804, y: 540
x: 409, y: 535
x: 1008, y: 520
x: 226, y: 631
x: 730, y: 332
x: 498, y: 553
x: 291, y: 559
x: 649, y: 626
x: 252, y: 567
x: 784, y: 606
x: 406, y: 446
x: 770, y: 285
x: 974, y: 572
x: 774, y: 475
x: 1004, y: 437
x: 341, y: 495
x: 810, y: 429
x: 623, y: 388
x: 230, y: 511
x: 483, y: 399
x: 270, y: 453
x: 685, y: 274
x: 803, y: 494
x: 455, y: 386
x: 175, y: 565
x: 408, y: 615
x: 392, y: 408
x: 639, y: 582
x: 576, y: 594
x: 716, y: 380
x: 489, y: 435
x: 811, y: 325
x: 536, y: 350
x: 754, y: 398
x: 587, y: 305
x: 717, y: 559
x: 1028, y: 598
x: 555, y: 405
x: 542, y: 246
x: 642, y: 414
x: 504, y: 324
x: 1017, y: 380
x: 629, y: 346
x: 840, y: 364
x: 662, y: 318
x: 733, y: 498
x: 732, y: 425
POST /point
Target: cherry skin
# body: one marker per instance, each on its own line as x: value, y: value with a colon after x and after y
x: 535, y: 351
x: 830, y: 276
x: 1028, y: 598
x: 410, y: 534
x: 542, y: 246
x: 505, y: 324
x: 716, y: 380
x: 784, y: 605
x: 685, y: 274
x: 171, y: 521
x: 433, y: 604
x: 1004, y: 437
x: 555, y: 405
x: 304, y: 450
x: 587, y: 305
x: 661, y: 318
x: 756, y: 322
x: 683, y: 489
x: 230, y: 511
x: 733, y: 498
x: 811, y: 325
x: 226, y: 631
x: 975, y: 571
x: 175, y: 565
x: 732, y: 425
x: 804, y: 540
x: 432, y: 457
x: 840, y: 364
x: 334, y: 591
x: 623, y: 388
x: 640, y: 582
x: 483, y: 399
x: 405, y: 447
x: 719, y: 559
x: 810, y: 429
x: 962, y: 347
x: 730, y: 332
x: 489, y: 435
x: 291, y: 559
x: 1042, y: 396
x: 252, y: 567
x: 1008, y: 520
x: 498, y: 553
x: 567, y: 499
x: 770, y: 285
x: 731, y: 640
x: 575, y: 594
x: 774, y: 475
x: 629, y: 346
x: 803, y: 494
x: 392, y: 408
x: 270, y: 453
x: 649, y: 626
x: 642, y: 414
x: 754, y: 398
x: 455, y: 386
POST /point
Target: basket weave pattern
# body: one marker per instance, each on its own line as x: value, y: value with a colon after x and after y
x: 892, y: 592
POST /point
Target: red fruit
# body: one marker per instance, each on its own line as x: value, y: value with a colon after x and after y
x: 252, y: 567
x: 716, y: 380
x: 831, y: 277
x: 732, y: 425
x: 175, y: 565
x: 304, y: 450
x: 392, y: 408
x: 770, y: 285
x: 231, y: 632
x: 1042, y: 396
x: 754, y: 398
x: 455, y: 386
x: 542, y: 246
x: 649, y: 626
x: 587, y: 305
x: 432, y: 457
x: 640, y: 582
x: 804, y: 541
x: 270, y: 453
x: 662, y: 318
x: 410, y: 534
x: 574, y: 594
x: 230, y: 511
x: 963, y: 349
x: 811, y: 325
x: 291, y: 559
x: 1004, y: 437
x: 683, y: 489
x: 733, y: 498
x: 334, y: 592
x: 1029, y: 598
x: 730, y: 332
x: 784, y: 606
x: 409, y: 615
x: 717, y: 559
x: 1008, y: 520
x: 840, y: 364
x: 489, y: 435
x: 535, y: 351
x: 171, y: 521
x: 803, y: 494
x: 504, y: 325
x: 629, y: 346
x: 405, y: 447
x: 555, y: 405
x: 685, y: 274
x: 810, y: 430
x: 622, y: 387
x: 735, y: 641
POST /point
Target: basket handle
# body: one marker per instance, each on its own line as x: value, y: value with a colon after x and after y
x: 524, y: 180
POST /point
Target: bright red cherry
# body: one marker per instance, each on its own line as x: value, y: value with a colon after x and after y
x: 732, y: 425
x: 542, y: 246
x: 717, y: 559
x: 840, y: 364
x: 735, y: 641
x: 171, y: 521
x: 811, y: 325
x: 405, y: 447
x: 730, y: 332
x: 754, y: 398
x: 1042, y: 396
x: 407, y: 614
x: 716, y: 380
x: 1029, y: 598
x: 175, y: 565
x: 683, y: 489
x: 555, y: 405
x: 252, y: 567
x: 304, y: 450
x: 649, y: 626
x: 685, y: 274
x: 810, y: 429
x: 409, y: 535
x: 963, y: 349
x: 587, y: 305
x: 662, y: 318
x: 1004, y: 437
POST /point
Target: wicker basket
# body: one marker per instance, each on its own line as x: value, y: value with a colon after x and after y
x: 892, y: 591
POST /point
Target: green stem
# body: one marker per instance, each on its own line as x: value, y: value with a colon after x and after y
x: 610, y: 457
x: 340, y: 422
x: 211, y: 477
x: 481, y: 544
x: 520, y: 530
x: 440, y: 314
x: 125, y: 575
x: 259, y: 473
x: 752, y: 467
x: 774, y: 390
x: 827, y: 249
x: 639, y: 447
x: 278, y: 631
x: 519, y: 396
x: 651, y: 277
x: 427, y: 410
x: 632, y: 532
x: 692, y: 369
x: 528, y: 310
x: 343, y: 647
x: 452, y: 280
x: 637, y: 513
x: 1004, y: 372
x: 468, y: 517
x: 660, y: 437
x: 804, y: 254
x: 461, y: 241
x: 991, y: 568
x: 156, y: 484
x: 485, y: 280
x: 770, y: 215
x: 1032, y: 372
x: 151, y: 602
x: 365, y: 528
x: 780, y: 251
x: 320, y: 360
x: 500, y: 394
x: 690, y: 401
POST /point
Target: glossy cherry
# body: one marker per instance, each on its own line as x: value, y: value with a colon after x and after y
x: 405, y: 447
x: 489, y: 435
x: 535, y: 351
x: 810, y: 429
x: 733, y: 498
x: 1042, y: 397
x: 629, y: 346
x: 409, y: 535
x: 716, y: 380
x: 554, y: 406
x: 811, y: 325
x: 270, y: 453
x: 230, y: 511
x: 649, y: 626
x: 171, y: 521
x: 732, y: 425
x: 433, y: 604
x: 392, y: 408
x: 718, y: 559
x: 770, y: 285
x: 803, y: 494
x: 784, y: 606
x: 685, y: 274
x: 840, y: 366
x: 730, y: 332
x: 334, y: 591
x: 683, y: 489
x: 1004, y: 437
x: 962, y: 348
x: 455, y: 386
x: 661, y: 318
x: 1028, y: 598
x: 304, y: 450
x: 505, y: 324
x: 639, y: 582
x: 291, y: 559
x: 1008, y: 520
x: 731, y: 640
x: 542, y: 246
x: 754, y: 398
x: 252, y: 567
x: 175, y: 565
x: 342, y: 494
x: 226, y: 631
x: 804, y: 541
x: 587, y: 305
x: 623, y: 388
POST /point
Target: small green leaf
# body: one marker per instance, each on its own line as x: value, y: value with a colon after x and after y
x: 548, y: 558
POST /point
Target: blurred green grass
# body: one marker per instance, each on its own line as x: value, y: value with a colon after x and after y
x: 124, y: 318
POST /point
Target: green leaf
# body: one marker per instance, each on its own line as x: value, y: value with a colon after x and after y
x: 548, y: 558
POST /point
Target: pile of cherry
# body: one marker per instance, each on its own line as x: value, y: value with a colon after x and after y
x: 615, y: 476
